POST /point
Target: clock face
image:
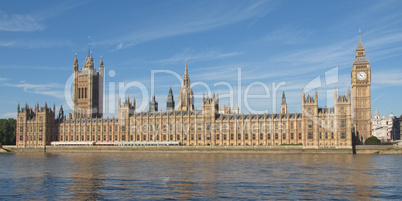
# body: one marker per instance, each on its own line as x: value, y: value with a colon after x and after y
x: 361, y: 75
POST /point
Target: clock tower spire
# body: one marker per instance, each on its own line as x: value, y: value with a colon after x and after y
x: 361, y: 87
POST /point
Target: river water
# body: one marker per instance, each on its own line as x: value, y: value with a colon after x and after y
x: 198, y: 176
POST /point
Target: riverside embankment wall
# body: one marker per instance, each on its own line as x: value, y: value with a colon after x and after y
x: 360, y: 149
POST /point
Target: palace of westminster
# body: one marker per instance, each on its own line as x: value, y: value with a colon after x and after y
x: 314, y: 127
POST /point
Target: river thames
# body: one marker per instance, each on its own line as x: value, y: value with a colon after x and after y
x: 199, y: 176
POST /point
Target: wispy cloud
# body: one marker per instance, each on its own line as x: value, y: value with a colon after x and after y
x: 20, y: 22
x: 3, y: 79
x: 52, y: 89
x: 9, y: 115
x: 387, y: 77
x: 33, y: 22
x: 36, y: 43
x: 197, y: 19
x: 195, y: 56
x: 286, y: 35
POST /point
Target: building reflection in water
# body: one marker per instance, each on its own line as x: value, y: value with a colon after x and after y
x: 136, y: 175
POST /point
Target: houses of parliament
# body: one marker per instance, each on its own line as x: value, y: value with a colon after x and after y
x: 213, y: 125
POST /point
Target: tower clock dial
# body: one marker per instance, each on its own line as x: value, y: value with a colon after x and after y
x: 361, y: 75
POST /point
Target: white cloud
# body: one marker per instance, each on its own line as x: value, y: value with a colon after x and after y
x: 387, y: 77
x: 194, y: 56
x: 9, y: 115
x: 17, y: 22
x: 197, y: 19
x: 52, y: 89
x: 35, y: 43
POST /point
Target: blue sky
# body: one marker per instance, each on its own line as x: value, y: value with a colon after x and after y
x: 277, y: 44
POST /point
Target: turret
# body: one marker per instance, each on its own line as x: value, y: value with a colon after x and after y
x: 153, y: 105
x: 284, y: 109
x: 75, y: 63
x: 170, y: 101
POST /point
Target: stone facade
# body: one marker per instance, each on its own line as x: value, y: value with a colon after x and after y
x: 88, y: 89
x: 314, y: 127
x: 361, y: 87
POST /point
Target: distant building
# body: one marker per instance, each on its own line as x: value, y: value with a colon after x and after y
x: 385, y: 128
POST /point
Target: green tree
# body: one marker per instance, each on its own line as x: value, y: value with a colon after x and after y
x: 7, y: 131
x: 373, y: 140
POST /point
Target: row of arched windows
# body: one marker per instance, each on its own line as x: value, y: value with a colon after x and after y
x: 82, y: 92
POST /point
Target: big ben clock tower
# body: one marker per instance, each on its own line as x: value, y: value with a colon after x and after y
x: 361, y: 81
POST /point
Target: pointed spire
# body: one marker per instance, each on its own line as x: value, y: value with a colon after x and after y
x: 283, y: 99
x: 89, y: 45
x: 75, y: 59
x: 101, y: 62
x: 360, y: 44
x: 186, y: 71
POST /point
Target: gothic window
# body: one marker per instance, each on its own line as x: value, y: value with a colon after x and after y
x: 310, y: 124
x: 291, y: 136
x: 310, y: 135
x: 269, y: 136
x: 261, y: 136
x: 343, y: 135
x: 343, y: 123
x: 276, y: 136
x: 284, y: 136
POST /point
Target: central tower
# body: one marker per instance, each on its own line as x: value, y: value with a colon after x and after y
x: 186, y: 97
x: 361, y: 81
x: 88, y: 89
